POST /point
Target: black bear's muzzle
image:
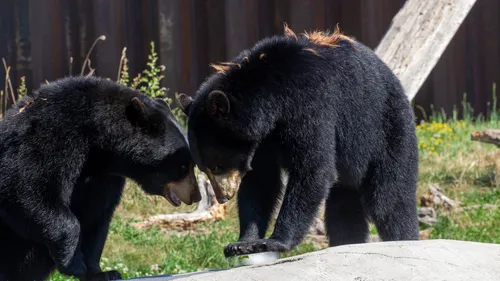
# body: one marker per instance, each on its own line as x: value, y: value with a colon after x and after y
x: 186, y: 191
x: 226, y: 185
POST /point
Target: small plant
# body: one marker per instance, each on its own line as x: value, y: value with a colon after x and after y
x: 136, y: 81
x: 22, y: 90
x: 149, y: 81
x: 152, y: 77
x: 123, y: 76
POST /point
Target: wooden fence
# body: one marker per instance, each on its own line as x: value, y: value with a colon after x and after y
x: 38, y: 38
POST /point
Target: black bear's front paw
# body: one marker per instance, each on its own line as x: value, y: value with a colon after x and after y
x: 255, y: 246
x: 103, y: 276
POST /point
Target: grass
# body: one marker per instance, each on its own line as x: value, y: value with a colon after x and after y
x: 480, y: 225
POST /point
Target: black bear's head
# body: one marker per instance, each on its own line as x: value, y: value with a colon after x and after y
x: 147, y: 144
x: 236, y: 108
x: 222, y: 140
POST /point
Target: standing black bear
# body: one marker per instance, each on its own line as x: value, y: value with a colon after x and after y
x: 65, y: 151
x: 328, y: 111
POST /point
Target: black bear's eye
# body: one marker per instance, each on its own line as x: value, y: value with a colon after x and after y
x: 183, y: 169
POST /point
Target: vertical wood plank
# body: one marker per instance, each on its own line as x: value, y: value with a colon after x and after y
x: 198, y: 49
x: 166, y: 10
x: 266, y: 12
x: 332, y: 14
x: 376, y: 17
x: 49, y: 60
x: 107, y: 53
x: 182, y: 28
x: 307, y: 15
x: 216, y: 24
x: 189, y: 34
x: 241, y: 25
x: 350, y: 18
x: 281, y: 15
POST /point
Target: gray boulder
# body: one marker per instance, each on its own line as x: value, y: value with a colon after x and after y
x: 406, y: 260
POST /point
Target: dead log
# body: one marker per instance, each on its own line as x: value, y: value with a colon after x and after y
x: 487, y: 136
x: 442, y: 200
x: 418, y: 36
x: 436, y: 198
x: 427, y: 216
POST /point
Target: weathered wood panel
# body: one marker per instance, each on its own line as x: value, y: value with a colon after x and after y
x: 37, y: 38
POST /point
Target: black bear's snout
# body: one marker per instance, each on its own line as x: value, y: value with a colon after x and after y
x: 186, y: 189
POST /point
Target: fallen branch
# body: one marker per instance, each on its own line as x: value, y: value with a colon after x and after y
x: 427, y: 216
x: 487, y: 136
x: 436, y: 197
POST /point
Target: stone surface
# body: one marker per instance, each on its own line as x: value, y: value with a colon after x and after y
x: 410, y: 260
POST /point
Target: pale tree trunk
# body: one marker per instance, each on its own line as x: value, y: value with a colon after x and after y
x: 418, y: 36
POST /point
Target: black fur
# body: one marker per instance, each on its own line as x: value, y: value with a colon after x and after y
x: 65, y: 151
x: 335, y: 118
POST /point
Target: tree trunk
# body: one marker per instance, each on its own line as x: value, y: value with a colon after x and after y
x: 418, y: 36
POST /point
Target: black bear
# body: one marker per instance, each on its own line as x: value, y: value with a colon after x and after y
x: 65, y: 151
x: 326, y: 110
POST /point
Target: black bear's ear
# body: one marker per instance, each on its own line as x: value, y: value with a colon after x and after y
x: 184, y: 101
x: 218, y: 104
x: 136, y: 111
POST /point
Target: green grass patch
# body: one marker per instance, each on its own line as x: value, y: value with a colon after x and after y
x: 477, y: 224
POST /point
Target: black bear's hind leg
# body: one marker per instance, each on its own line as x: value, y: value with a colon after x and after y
x: 344, y: 217
x: 390, y: 201
x: 399, y: 223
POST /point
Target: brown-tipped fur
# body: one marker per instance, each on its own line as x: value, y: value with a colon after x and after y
x: 319, y: 37
x: 325, y: 39
x: 224, y: 66
x: 316, y: 37
x: 288, y: 32
x: 312, y: 51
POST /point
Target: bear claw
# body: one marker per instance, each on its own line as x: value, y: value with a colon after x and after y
x: 256, y: 246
